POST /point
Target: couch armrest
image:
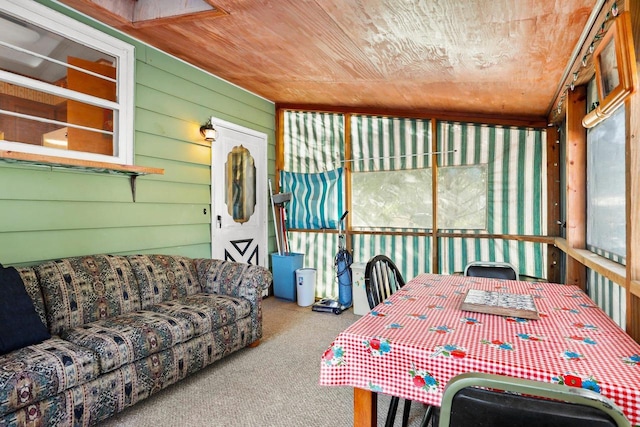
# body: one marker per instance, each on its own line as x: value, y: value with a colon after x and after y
x: 232, y: 278
x: 237, y: 280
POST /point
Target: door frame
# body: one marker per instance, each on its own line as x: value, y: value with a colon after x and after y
x: 217, y: 155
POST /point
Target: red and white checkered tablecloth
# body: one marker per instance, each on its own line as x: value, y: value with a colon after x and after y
x: 412, y: 344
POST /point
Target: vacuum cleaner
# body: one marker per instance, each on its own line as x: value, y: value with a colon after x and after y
x: 342, y: 263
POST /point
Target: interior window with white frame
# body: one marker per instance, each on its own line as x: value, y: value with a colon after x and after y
x: 66, y: 89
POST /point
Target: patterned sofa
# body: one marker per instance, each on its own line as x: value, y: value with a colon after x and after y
x: 124, y: 327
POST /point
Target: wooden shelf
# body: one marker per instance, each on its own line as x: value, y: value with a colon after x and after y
x: 612, y: 270
x: 82, y: 165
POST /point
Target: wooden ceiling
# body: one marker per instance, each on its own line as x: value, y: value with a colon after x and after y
x: 494, y: 58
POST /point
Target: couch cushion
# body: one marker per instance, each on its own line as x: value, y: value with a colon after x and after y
x: 20, y: 325
x: 36, y: 372
x: 85, y: 289
x: 207, y: 312
x: 85, y: 405
x: 164, y: 277
x: 130, y: 337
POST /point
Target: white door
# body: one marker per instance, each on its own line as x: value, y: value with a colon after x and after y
x: 239, y: 194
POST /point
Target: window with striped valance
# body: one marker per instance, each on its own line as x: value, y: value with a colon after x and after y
x: 512, y: 161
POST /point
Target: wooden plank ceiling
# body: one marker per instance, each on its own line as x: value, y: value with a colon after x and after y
x: 495, y: 58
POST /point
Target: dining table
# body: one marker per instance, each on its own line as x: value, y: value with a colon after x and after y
x: 419, y: 338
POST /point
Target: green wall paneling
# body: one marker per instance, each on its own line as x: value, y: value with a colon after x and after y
x: 172, y: 192
x: 179, y: 68
x: 175, y: 171
x: 43, y: 245
x: 56, y: 215
x: 156, y: 146
x: 43, y: 183
x: 154, y: 86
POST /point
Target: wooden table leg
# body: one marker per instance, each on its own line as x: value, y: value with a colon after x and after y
x: 365, y: 408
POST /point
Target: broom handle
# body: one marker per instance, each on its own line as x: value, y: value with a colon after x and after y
x: 275, y: 222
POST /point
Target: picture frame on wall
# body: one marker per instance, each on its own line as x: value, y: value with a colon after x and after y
x: 615, y: 64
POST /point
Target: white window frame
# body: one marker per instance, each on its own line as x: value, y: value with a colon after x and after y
x: 83, y: 34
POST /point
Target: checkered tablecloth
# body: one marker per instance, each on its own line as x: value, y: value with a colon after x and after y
x: 412, y: 344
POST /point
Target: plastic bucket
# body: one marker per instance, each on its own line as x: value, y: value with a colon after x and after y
x: 306, y: 286
x: 284, y: 274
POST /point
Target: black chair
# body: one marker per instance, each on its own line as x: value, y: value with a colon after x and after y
x: 381, y: 279
x: 477, y: 400
x: 497, y: 270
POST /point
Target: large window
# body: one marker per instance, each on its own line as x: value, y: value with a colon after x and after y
x: 402, y: 198
x: 395, y: 199
x: 606, y: 229
x: 66, y: 89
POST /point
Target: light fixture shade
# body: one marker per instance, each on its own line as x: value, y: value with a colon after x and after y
x: 208, y: 131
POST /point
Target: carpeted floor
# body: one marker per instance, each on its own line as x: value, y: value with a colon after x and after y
x: 274, y: 384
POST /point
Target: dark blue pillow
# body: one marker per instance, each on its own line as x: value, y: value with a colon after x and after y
x: 20, y: 325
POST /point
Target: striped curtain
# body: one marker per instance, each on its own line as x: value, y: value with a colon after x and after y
x: 527, y: 257
x: 609, y: 255
x: 412, y: 254
x: 317, y: 199
x: 392, y: 144
x: 319, y: 250
x: 314, y: 144
x: 389, y: 143
x: 609, y: 296
x: 515, y: 161
x: 516, y: 194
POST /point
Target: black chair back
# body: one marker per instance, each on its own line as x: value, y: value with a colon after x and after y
x: 496, y: 270
x: 525, y: 403
x: 381, y: 279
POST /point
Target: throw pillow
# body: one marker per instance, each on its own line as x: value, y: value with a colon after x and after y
x: 20, y: 325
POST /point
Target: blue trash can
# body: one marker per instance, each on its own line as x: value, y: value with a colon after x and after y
x: 284, y: 269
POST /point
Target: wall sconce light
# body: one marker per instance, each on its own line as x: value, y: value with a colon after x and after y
x: 208, y: 131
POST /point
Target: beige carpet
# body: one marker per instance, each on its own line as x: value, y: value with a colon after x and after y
x: 274, y: 384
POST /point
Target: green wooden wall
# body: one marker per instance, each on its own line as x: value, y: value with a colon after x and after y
x: 48, y: 213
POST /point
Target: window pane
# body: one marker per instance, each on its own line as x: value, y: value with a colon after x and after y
x: 396, y: 199
x: 30, y: 116
x: 606, y: 185
x: 32, y: 51
x: 462, y: 197
x: 66, y: 89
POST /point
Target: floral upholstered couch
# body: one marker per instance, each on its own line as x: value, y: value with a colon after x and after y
x: 122, y: 328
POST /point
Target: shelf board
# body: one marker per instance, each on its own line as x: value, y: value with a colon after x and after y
x: 82, y: 165
x: 87, y: 165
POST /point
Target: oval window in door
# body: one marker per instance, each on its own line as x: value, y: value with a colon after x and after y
x: 240, y: 184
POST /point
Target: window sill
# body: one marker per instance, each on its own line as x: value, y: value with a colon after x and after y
x: 82, y: 165
x: 611, y: 270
